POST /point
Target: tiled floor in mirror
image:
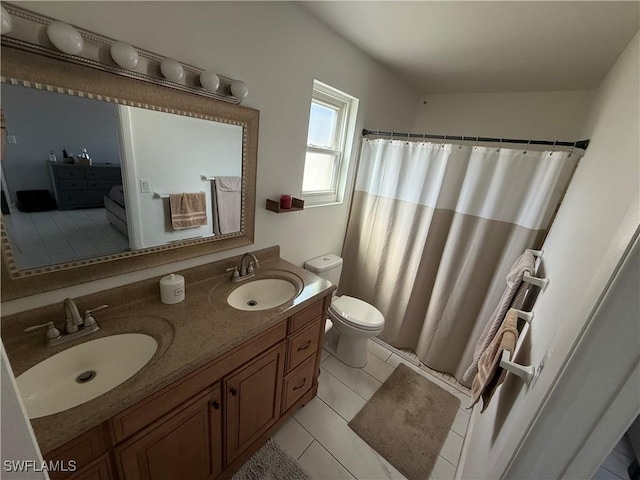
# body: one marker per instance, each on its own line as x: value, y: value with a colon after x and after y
x: 320, y: 439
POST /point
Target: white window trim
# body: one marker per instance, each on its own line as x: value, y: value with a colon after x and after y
x: 348, y: 105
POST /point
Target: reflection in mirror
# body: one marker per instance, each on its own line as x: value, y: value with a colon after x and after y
x: 80, y: 174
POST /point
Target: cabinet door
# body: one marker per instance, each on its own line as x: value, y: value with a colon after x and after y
x: 253, y: 394
x: 185, y: 443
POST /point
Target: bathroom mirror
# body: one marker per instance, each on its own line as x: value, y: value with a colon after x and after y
x: 152, y: 140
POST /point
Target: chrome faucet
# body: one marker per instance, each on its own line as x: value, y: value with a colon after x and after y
x: 245, y: 271
x: 74, y: 325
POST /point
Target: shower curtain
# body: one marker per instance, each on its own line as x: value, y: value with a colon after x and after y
x: 433, y: 231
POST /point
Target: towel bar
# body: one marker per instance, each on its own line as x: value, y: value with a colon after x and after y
x: 524, y: 372
x: 166, y: 195
x: 210, y: 179
x: 526, y: 316
x: 538, y: 282
x: 535, y: 253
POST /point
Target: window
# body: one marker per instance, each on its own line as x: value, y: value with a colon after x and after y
x: 329, y: 141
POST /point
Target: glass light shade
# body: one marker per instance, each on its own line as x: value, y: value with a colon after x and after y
x: 124, y: 55
x: 6, y: 22
x: 172, y: 70
x: 210, y: 81
x: 65, y: 38
x: 239, y: 89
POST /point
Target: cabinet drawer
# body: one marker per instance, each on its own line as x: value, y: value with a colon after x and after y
x: 72, y: 185
x: 306, y: 316
x: 68, y: 173
x: 297, y: 383
x: 103, y: 173
x: 302, y: 345
x: 82, y: 450
x: 99, y: 470
x: 105, y: 185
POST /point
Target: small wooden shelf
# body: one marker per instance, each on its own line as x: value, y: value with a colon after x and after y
x: 296, y: 205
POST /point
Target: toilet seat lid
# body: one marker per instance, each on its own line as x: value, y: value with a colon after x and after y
x: 357, y: 313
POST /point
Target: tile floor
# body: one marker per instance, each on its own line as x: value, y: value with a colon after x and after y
x: 320, y: 439
x: 615, y: 465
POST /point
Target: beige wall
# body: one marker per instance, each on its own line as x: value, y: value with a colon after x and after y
x: 537, y: 115
x: 595, y: 225
x: 278, y: 49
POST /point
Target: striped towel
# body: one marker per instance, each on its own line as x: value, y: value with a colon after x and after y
x: 513, y: 297
x: 188, y: 210
x: 490, y: 374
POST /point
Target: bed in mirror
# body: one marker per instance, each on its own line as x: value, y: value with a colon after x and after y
x: 91, y: 161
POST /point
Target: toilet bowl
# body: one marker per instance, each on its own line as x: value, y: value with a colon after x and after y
x: 354, y: 321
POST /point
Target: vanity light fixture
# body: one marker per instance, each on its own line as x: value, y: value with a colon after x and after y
x: 124, y: 55
x: 239, y: 89
x: 77, y: 45
x: 172, y: 70
x: 5, y: 21
x: 65, y: 38
x: 210, y: 80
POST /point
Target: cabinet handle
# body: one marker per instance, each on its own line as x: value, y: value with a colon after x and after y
x: 233, y: 392
x: 215, y: 404
x: 305, y: 346
x: 304, y: 380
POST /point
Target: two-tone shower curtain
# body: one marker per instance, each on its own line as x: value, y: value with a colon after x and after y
x: 433, y: 231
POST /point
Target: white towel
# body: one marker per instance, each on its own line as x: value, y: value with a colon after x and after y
x: 228, y: 203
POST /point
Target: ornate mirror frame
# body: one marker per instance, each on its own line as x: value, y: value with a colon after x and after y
x: 44, y: 71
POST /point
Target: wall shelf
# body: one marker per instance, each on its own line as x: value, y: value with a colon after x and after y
x: 296, y: 206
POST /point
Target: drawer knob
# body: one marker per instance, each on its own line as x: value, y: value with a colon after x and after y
x: 233, y: 392
x: 215, y: 404
x: 298, y: 387
x: 305, y: 346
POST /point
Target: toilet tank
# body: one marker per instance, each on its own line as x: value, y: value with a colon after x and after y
x: 327, y: 266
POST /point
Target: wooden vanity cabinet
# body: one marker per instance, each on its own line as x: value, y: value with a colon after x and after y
x: 183, y: 444
x: 252, y: 400
x: 206, y: 424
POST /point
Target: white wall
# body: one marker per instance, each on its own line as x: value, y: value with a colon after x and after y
x: 535, y: 115
x: 595, y: 225
x: 42, y: 122
x: 173, y: 152
x: 278, y: 49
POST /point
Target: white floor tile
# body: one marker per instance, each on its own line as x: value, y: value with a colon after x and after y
x: 452, y: 448
x: 617, y: 463
x: 461, y: 422
x: 333, y: 433
x: 324, y: 355
x: 378, y: 350
x: 604, y: 474
x: 443, y: 470
x: 378, y: 368
x: 356, y: 378
x: 339, y: 396
x: 293, y: 438
x: 319, y: 463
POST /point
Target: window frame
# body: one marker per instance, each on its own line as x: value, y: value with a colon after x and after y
x: 346, y: 107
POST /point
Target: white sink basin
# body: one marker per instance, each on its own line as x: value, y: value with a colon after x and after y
x: 83, y: 372
x: 262, y: 294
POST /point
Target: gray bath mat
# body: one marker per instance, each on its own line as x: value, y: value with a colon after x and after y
x: 271, y: 463
x: 406, y: 421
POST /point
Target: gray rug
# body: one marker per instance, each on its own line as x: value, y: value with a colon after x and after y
x: 271, y: 463
x: 406, y: 421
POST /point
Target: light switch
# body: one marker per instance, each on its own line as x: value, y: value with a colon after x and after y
x: 11, y: 139
x: 145, y: 185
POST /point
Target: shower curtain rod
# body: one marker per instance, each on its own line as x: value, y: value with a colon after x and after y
x: 582, y: 144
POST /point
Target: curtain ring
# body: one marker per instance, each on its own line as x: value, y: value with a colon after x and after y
x: 553, y: 148
x: 499, y: 145
x: 572, y: 148
x: 443, y: 142
x: 408, y: 136
x: 477, y: 141
x: 527, y: 147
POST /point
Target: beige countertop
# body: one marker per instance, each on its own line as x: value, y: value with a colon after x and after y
x: 189, y: 334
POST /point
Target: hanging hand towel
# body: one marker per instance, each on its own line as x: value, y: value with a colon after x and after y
x: 512, y: 297
x: 228, y: 203
x: 490, y: 374
x: 188, y: 210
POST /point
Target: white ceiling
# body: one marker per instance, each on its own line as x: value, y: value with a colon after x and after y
x: 498, y: 46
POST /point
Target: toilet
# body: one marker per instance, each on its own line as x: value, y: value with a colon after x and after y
x: 354, y: 321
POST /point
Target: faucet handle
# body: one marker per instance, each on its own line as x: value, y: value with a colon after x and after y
x: 235, y: 273
x: 89, y: 321
x: 51, y: 333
